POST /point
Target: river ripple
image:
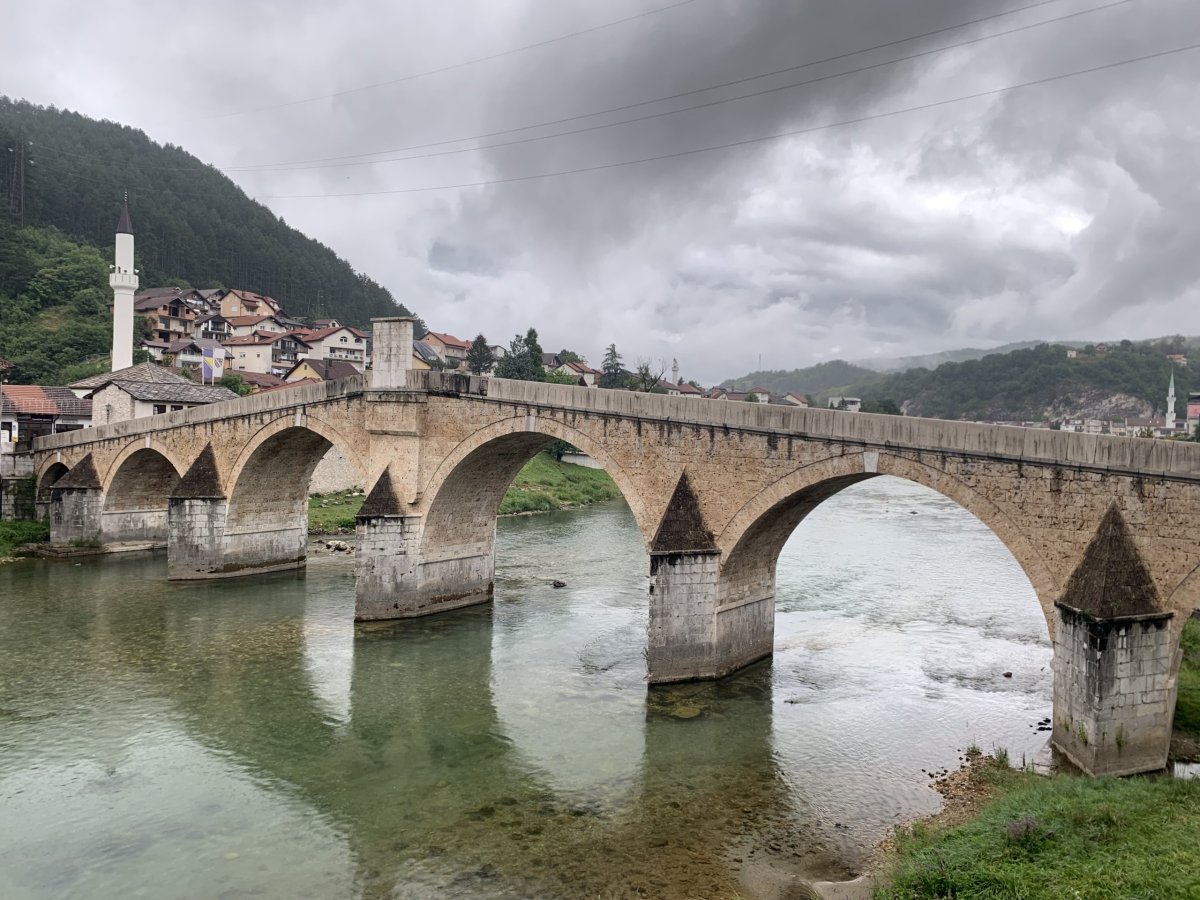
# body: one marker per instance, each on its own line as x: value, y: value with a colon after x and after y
x: 241, y: 739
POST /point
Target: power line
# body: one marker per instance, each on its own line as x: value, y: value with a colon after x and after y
x: 688, y: 93
x: 683, y: 109
x: 755, y: 140
x: 440, y: 69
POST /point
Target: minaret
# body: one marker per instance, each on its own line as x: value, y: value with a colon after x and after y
x: 675, y: 371
x: 124, y: 283
x: 1170, y: 422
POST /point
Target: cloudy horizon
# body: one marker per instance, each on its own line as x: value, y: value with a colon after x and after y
x: 1064, y: 210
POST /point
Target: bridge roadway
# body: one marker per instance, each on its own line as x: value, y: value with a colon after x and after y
x: 1107, y: 529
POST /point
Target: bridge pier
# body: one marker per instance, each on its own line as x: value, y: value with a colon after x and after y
x: 395, y: 581
x: 77, y: 505
x: 196, y: 537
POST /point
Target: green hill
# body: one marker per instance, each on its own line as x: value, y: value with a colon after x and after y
x: 817, y: 379
x: 1039, y: 383
x: 194, y: 226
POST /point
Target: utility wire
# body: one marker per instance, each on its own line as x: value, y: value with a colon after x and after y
x: 438, y: 70
x: 689, y: 93
x: 683, y: 109
x: 755, y: 140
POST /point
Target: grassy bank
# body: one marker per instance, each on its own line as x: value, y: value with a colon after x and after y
x: 544, y: 484
x: 1187, y: 706
x: 17, y: 532
x: 1035, y: 837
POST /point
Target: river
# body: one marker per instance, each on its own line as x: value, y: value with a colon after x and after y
x: 243, y: 739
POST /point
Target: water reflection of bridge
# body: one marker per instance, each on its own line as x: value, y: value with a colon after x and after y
x: 425, y: 783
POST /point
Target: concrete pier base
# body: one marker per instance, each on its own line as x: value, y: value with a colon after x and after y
x: 1114, y: 691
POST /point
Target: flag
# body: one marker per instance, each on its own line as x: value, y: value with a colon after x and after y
x: 213, y: 364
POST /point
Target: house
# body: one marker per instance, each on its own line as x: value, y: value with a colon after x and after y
x: 849, y: 404
x: 791, y: 399
x: 186, y: 352
x: 169, y: 316
x: 29, y: 410
x: 265, y: 351
x: 241, y: 326
x: 320, y: 370
x: 247, y: 303
x: 143, y: 390
x: 326, y: 323
x: 1179, y: 359
x: 1193, y: 411
x: 1072, y: 353
x: 584, y: 375
x: 336, y: 342
x: 424, y: 357
x: 259, y: 381
x: 213, y: 327
x: 689, y: 390
x: 451, y: 349
x: 1101, y: 348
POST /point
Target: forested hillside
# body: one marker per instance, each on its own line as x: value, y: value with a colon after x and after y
x: 1039, y: 383
x: 193, y: 224
x: 54, y: 298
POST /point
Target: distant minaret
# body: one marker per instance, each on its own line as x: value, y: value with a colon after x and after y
x: 124, y: 283
x: 1170, y: 422
x: 675, y: 371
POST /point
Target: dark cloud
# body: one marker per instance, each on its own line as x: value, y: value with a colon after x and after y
x: 1065, y: 210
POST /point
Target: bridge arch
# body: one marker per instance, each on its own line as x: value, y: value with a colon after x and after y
x: 137, y: 488
x: 755, y: 536
x: 470, y: 482
x: 268, y: 484
x: 51, y: 472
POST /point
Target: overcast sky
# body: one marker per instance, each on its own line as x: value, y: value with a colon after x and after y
x: 1065, y: 210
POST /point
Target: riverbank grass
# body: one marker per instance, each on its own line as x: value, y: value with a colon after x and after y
x: 1056, y: 837
x: 21, y: 531
x: 1187, y: 703
x: 543, y: 485
x: 546, y: 484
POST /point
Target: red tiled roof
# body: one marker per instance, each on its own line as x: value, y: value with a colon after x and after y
x: 262, y: 337
x: 288, y: 384
x: 259, y: 379
x: 238, y: 321
x: 34, y: 399
x: 449, y: 340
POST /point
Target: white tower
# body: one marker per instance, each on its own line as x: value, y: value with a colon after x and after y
x: 124, y: 283
x: 1170, y: 422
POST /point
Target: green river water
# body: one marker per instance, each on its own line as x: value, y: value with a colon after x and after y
x: 244, y: 739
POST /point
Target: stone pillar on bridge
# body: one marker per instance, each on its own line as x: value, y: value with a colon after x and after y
x: 77, y: 505
x: 388, y: 547
x: 691, y: 636
x: 196, y: 514
x: 391, y: 352
x: 1115, y: 660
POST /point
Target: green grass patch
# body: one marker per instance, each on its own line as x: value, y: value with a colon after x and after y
x: 543, y: 485
x: 1059, y: 837
x: 1187, y: 704
x: 546, y: 484
x: 21, y: 531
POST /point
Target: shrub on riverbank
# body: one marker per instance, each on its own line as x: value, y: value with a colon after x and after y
x: 21, y: 531
x: 544, y: 484
x: 1058, y: 837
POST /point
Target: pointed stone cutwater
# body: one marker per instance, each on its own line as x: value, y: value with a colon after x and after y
x: 388, y: 562
x: 690, y: 636
x: 196, y: 515
x: 383, y: 499
x: 77, y: 505
x: 1114, y: 666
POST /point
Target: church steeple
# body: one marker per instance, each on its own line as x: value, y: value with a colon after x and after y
x: 1170, y: 421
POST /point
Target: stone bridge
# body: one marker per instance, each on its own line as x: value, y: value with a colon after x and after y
x: 1106, y: 528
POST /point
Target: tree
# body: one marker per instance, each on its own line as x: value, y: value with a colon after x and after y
x: 646, y: 377
x: 751, y: 398
x: 235, y: 383
x: 523, y: 361
x: 569, y: 356
x: 1195, y: 438
x: 611, y: 369
x: 561, y: 378
x: 480, y: 357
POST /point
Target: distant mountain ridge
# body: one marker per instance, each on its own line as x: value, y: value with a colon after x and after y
x: 192, y: 223
x: 933, y: 360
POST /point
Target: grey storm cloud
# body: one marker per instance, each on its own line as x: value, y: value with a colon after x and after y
x: 1066, y: 210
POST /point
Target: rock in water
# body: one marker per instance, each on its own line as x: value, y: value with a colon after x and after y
x: 558, y: 584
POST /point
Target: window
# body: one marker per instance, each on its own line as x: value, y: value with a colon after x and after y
x: 160, y: 408
x: 176, y: 408
x: 343, y: 339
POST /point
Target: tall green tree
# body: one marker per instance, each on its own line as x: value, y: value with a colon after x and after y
x: 611, y: 375
x: 523, y: 362
x: 480, y: 357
